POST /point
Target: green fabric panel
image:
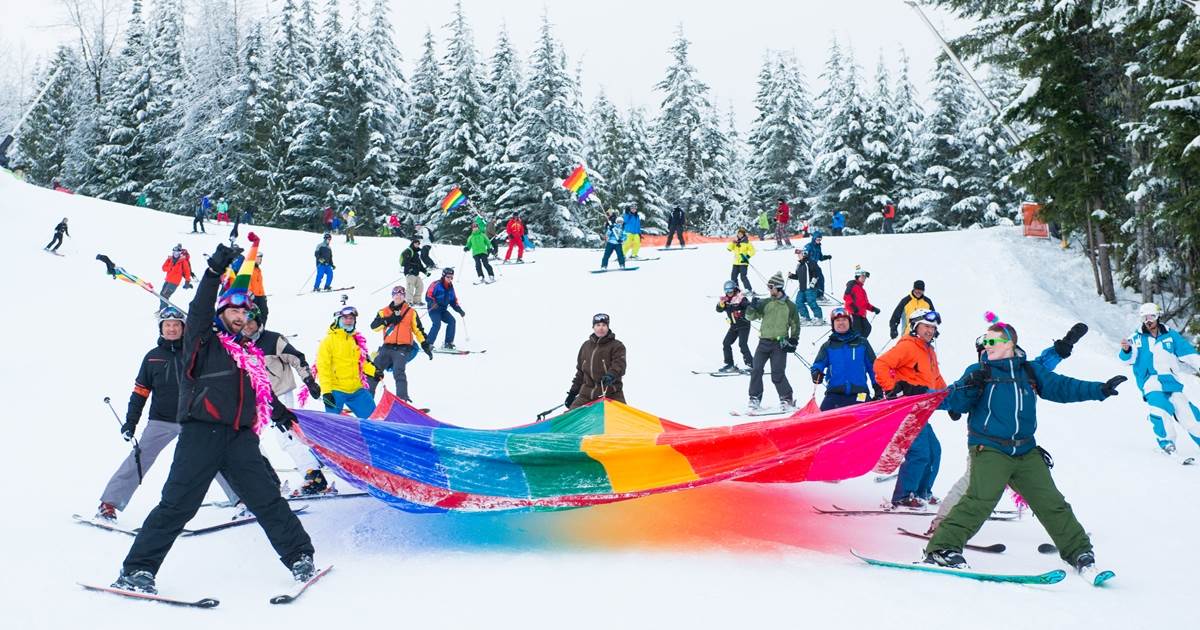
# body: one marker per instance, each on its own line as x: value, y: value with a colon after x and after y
x: 555, y: 465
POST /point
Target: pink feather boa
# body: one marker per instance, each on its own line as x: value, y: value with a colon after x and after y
x: 364, y: 355
x: 250, y: 360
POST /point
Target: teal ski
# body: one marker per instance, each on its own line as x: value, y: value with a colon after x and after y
x: 1050, y: 577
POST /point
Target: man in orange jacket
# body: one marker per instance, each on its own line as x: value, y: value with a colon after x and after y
x: 179, y: 271
x: 909, y: 368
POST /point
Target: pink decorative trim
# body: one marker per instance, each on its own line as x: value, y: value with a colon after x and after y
x: 250, y: 360
x: 364, y: 355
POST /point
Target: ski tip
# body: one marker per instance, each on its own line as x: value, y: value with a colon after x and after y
x: 1102, y: 577
x: 1047, y: 548
x: 1053, y: 577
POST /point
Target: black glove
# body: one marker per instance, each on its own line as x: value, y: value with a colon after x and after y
x: 878, y: 392
x: 875, y: 309
x: 975, y: 379
x: 314, y: 390
x: 461, y: 312
x: 954, y: 415
x: 128, y: 428
x: 570, y: 398
x: 373, y: 383
x: 328, y: 399
x: 1062, y: 348
x: 283, y: 418
x: 792, y: 343
x: 755, y: 303
x: 187, y: 285
x: 220, y: 259
x: 791, y: 276
x: 895, y: 333
x: 1076, y: 333
x: 1110, y: 386
x: 428, y: 348
x: 607, y: 379
x: 817, y: 377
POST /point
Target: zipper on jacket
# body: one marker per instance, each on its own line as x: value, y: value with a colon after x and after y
x: 1017, y: 417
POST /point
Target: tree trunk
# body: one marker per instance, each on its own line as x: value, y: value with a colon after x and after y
x: 1091, y: 249
x: 1104, y: 265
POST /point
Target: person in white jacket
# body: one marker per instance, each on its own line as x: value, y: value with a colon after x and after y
x: 1157, y: 355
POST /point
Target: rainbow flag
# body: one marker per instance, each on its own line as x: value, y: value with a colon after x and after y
x: 578, y: 183
x: 453, y: 199
x: 600, y: 453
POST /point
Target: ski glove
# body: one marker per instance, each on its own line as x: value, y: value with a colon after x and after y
x: 328, y: 399
x: 895, y: 333
x: 314, y: 390
x: 878, y: 392
x: 460, y: 311
x: 570, y: 398
x: 954, y: 415
x: 817, y: 377
x: 427, y: 348
x: 975, y: 379
x: 1062, y: 348
x: 1110, y: 386
x: 222, y: 257
x: 128, y: 428
x: 283, y: 418
x: 607, y: 379
x: 875, y: 309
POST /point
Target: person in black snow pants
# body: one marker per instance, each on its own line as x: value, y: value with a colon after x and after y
x: 675, y: 224
x: 222, y: 392
x: 734, y: 304
x: 56, y: 240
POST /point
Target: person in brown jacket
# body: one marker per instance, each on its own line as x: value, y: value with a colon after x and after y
x: 598, y: 367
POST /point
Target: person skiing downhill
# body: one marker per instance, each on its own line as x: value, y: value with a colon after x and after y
x: 402, y: 335
x: 778, y: 336
x: 60, y: 230
x: 915, y: 299
x: 480, y: 248
x: 999, y: 395
x: 857, y: 304
x: 846, y: 364
x: 742, y: 250
x: 675, y: 226
x: 764, y: 225
x: 909, y: 368
x: 1156, y: 354
x: 413, y: 265
x: 179, y: 271
x: 614, y: 235
x: 599, y: 366
x: 516, y: 237
x: 440, y: 297
x: 157, y: 382
x: 225, y: 399
x: 807, y: 275
x: 734, y: 304
x: 344, y: 367
x: 323, y: 255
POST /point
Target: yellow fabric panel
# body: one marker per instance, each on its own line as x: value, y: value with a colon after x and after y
x: 635, y: 462
x: 622, y: 419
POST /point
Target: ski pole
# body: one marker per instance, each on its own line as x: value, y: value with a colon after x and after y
x: 137, y: 449
x: 466, y: 329
x: 119, y: 273
x: 818, y: 339
x: 757, y: 272
x: 387, y: 285
x: 310, y: 275
x: 542, y: 416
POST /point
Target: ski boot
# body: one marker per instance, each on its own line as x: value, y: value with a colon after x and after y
x: 931, y: 500
x: 911, y: 501
x: 1168, y: 447
x: 786, y: 405
x: 948, y: 558
x: 302, y: 569
x: 755, y: 404
x: 107, y: 512
x: 448, y: 346
x: 314, y: 483
x: 728, y: 369
x: 136, y: 582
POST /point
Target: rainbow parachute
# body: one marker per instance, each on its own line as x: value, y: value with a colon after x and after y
x: 604, y: 452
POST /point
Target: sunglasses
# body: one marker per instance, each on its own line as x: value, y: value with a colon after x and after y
x: 987, y: 343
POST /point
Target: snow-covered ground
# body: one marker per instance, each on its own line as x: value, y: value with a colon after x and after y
x: 730, y: 555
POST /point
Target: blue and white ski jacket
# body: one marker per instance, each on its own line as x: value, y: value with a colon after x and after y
x: 848, y: 362
x: 614, y: 234
x: 1155, y: 360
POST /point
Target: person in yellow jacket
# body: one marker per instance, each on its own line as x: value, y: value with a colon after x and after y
x: 742, y: 251
x: 402, y: 335
x: 909, y: 304
x: 343, y: 367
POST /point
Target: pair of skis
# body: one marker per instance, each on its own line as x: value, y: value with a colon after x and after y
x: 207, y: 602
x: 1094, y: 577
x: 316, y: 291
x: 617, y: 269
x: 199, y: 531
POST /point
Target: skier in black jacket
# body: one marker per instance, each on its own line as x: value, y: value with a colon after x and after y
x: 218, y: 417
x: 808, y: 274
x: 56, y: 240
x: 413, y: 261
x: 675, y: 225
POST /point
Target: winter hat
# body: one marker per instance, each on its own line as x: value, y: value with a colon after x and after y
x: 238, y: 293
x: 859, y: 271
x: 816, y: 234
x: 919, y: 284
x: 776, y: 281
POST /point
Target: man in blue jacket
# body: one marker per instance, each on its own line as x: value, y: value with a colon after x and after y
x: 999, y: 394
x: 846, y: 363
x: 1155, y: 354
x: 440, y: 298
x: 813, y: 247
x: 838, y: 223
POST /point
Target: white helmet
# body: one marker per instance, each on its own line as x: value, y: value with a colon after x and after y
x: 923, y: 316
x: 1149, y: 310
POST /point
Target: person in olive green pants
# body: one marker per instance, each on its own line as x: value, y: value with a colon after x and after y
x: 1000, y: 395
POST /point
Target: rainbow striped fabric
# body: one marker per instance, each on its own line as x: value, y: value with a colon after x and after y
x: 453, y: 199
x: 604, y: 452
x: 579, y: 184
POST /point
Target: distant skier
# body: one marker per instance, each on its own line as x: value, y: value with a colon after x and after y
x: 158, y: 382
x: 440, y: 298
x: 222, y: 211
x: 807, y: 275
x: 614, y: 235
x: 327, y: 219
x: 911, y: 368
x: 734, y: 304
x: 916, y: 299
x: 846, y: 364
x: 344, y: 367
x: 393, y: 222
x: 60, y: 230
x: 247, y: 216
x: 413, y: 265
x: 200, y: 215
x: 323, y: 255
x: 783, y: 214
x: 856, y: 302
x: 815, y: 254
x: 764, y: 225
x: 351, y: 225
x: 259, y: 291
x: 633, y: 232
x: 1156, y: 354
x: 838, y: 223
x: 402, y: 335
x: 480, y: 248
x: 599, y: 366
x: 778, y: 336
x: 889, y: 218
x: 675, y: 226
x: 1002, y: 420
x: 179, y: 271
x: 742, y: 250
x: 516, y: 237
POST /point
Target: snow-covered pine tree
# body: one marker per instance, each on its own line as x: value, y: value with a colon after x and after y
x: 908, y: 118
x: 124, y: 164
x: 501, y: 175
x: 679, y: 131
x: 162, y: 122
x: 549, y: 146
x: 722, y: 204
x: 456, y: 157
x: 991, y: 196
x: 745, y: 213
x: 419, y: 134
x: 883, y: 169
x: 292, y: 63
x: 42, y: 147
x: 604, y: 148
x: 638, y: 184
x: 782, y: 135
x: 244, y: 131
x: 839, y: 167
x: 942, y: 153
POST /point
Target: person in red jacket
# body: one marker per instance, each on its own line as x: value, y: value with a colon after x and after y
x: 889, y: 215
x: 857, y: 303
x: 179, y: 271
x: 516, y: 237
x: 783, y: 214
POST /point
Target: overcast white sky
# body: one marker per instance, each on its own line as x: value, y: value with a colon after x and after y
x: 623, y: 44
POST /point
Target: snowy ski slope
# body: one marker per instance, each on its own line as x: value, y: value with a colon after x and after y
x: 732, y: 555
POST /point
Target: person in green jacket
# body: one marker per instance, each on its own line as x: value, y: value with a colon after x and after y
x: 480, y: 247
x: 778, y: 335
x: 764, y: 225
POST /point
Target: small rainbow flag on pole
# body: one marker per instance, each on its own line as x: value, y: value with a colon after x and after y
x: 453, y: 199
x: 578, y: 183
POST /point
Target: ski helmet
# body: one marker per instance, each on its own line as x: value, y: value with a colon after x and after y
x: 254, y: 314
x: 859, y: 271
x: 923, y: 316
x: 169, y: 313
x: 1149, y: 311
x: 448, y: 271
x: 398, y: 290
x: 838, y: 312
x: 730, y: 286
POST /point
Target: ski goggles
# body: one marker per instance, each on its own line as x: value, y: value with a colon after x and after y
x: 932, y: 317
x: 839, y: 312
x: 1150, y: 317
x: 239, y: 299
x: 348, y: 311
x: 397, y: 290
x: 600, y: 318
x: 170, y: 313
